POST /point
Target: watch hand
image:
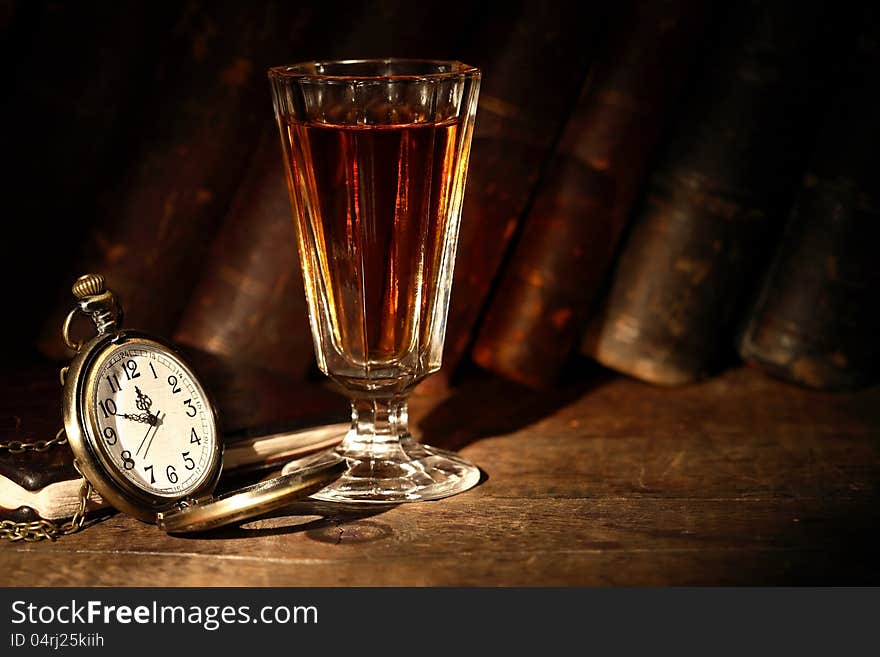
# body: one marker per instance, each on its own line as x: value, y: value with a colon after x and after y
x: 146, y: 418
x: 156, y: 427
x: 143, y: 402
x: 152, y: 426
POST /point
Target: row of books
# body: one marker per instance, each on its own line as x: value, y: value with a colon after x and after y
x: 672, y: 183
x: 755, y: 218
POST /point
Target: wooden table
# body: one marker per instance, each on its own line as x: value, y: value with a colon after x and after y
x: 740, y: 480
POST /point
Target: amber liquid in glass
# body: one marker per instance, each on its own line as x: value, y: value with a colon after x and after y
x: 372, y: 203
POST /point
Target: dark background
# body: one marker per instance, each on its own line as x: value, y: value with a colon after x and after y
x: 134, y: 129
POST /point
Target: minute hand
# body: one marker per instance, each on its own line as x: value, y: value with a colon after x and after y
x: 155, y: 431
x: 146, y: 435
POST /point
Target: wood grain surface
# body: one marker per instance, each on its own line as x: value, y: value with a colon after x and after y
x: 604, y: 481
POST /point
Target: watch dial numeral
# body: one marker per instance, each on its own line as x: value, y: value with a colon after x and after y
x: 130, y: 369
x: 138, y: 427
x: 110, y: 435
x: 108, y: 407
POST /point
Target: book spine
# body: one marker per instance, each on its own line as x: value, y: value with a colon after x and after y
x: 571, y: 233
x: 816, y: 319
x: 717, y: 199
x: 250, y: 305
x: 533, y: 66
x: 205, y: 110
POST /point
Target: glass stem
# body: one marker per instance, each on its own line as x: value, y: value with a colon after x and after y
x: 377, y: 426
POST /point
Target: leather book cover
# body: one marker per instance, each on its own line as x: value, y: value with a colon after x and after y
x: 204, y: 108
x: 533, y: 68
x: 250, y: 303
x: 570, y: 235
x: 816, y: 318
x: 719, y: 195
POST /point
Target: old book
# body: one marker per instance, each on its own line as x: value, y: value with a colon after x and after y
x: 718, y: 196
x: 570, y: 234
x: 533, y: 68
x: 250, y: 303
x: 204, y: 111
x: 266, y: 420
x: 816, y: 318
x: 60, y: 498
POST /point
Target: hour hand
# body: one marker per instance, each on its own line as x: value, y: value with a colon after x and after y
x: 146, y: 418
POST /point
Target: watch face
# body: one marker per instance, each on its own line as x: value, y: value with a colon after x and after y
x: 151, y: 419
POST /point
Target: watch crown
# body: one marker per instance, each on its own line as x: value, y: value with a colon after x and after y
x: 88, y: 285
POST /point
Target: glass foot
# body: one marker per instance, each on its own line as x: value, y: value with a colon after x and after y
x: 404, y: 471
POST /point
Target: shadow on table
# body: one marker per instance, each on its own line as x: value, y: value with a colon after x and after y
x: 334, y: 520
x: 484, y: 405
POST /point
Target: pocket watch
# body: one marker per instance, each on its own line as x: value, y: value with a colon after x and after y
x: 144, y: 432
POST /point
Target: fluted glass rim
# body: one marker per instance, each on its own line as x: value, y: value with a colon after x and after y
x: 297, y: 71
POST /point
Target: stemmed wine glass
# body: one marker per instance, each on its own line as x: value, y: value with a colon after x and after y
x: 376, y: 155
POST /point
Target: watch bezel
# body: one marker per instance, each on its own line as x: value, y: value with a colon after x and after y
x: 93, y: 464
